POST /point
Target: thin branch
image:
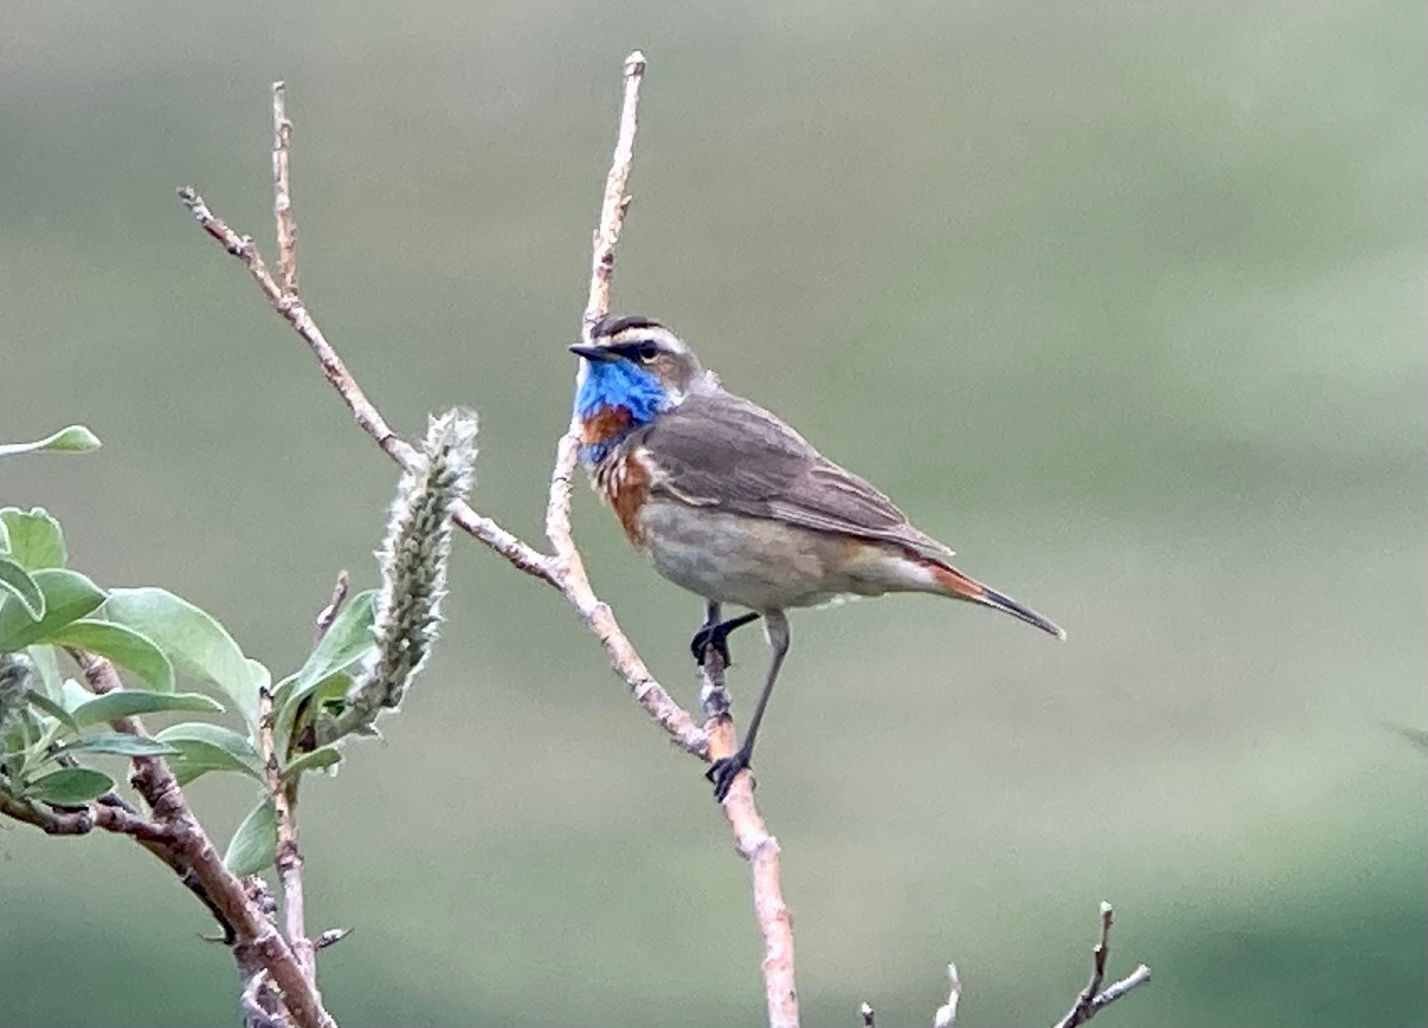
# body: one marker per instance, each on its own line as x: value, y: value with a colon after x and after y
x: 286, y: 856
x: 615, y: 202
x: 193, y: 854
x: 258, y: 1001
x: 328, y: 614
x: 758, y: 847
x: 567, y: 568
x: 613, y: 205
x: 946, y: 1015
x: 282, y: 194
x: 1093, y: 999
x: 107, y: 817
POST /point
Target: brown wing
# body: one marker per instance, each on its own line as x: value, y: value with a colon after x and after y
x: 719, y: 450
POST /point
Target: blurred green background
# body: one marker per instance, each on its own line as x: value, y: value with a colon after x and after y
x: 1124, y: 301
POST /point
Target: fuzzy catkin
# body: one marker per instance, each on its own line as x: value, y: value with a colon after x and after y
x: 414, y: 558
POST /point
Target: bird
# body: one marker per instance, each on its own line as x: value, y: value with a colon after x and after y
x: 730, y: 503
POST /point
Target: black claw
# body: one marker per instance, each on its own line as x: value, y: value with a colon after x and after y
x: 706, y: 639
x: 716, y: 638
x: 723, y: 772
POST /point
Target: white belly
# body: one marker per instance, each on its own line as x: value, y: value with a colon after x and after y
x: 757, y: 562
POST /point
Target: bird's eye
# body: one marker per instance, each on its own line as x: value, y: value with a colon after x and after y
x: 647, y: 352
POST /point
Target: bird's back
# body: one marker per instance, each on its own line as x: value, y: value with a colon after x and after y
x: 724, y: 452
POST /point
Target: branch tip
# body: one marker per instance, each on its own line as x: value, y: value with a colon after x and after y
x: 946, y: 1015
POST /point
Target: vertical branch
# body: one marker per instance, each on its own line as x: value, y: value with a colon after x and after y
x: 287, y: 858
x: 615, y: 202
x: 328, y: 614
x: 282, y: 195
x: 946, y: 1015
x: 756, y: 846
x: 613, y: 206
x: 259, y: 1002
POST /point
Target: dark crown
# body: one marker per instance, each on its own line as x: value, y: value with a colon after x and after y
x: 611, y: 325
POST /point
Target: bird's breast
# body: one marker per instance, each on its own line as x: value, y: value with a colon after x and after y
x: 601, y: 431
x: 623, y: 482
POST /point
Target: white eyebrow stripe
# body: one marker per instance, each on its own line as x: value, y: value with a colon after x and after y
x: 643, y: 334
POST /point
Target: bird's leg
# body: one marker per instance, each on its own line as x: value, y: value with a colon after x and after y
x: 714, y: 634
x: 723, y: 770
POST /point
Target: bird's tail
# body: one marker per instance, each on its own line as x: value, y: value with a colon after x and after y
x: 953, y: 583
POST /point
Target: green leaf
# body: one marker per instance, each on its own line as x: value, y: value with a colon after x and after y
x: 47, y: 664
x: 124, y: 646
x: 238, y: 746
x: 204, y: 747
x: 194, y: 642
x: 73, y: 439
x: 347, y: 641
x: 293, y: 717
x: 16, y: 581
x: 128, y: 702
x: 70, y: 786
x: 17, y: 742
x: 252, y: 847
x: 68, y: 596
x: 119, y: 743
x: 36, y: 540
x: 72, y: 695
x: 52, y: 708
x: 323, y: 756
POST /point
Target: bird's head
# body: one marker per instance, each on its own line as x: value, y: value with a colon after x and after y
x: 640, y: 350
x: 637, y: 369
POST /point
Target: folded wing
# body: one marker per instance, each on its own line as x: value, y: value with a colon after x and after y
x: 722, y: 451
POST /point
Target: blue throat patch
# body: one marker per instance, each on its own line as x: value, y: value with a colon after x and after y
x: 618, y: 383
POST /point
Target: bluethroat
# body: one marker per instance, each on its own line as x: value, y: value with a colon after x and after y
x: 734, y: 505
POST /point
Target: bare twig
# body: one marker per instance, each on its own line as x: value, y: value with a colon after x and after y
x: 1093, y: 999
x: 946, y: 1014
x: 282, y: 194
x: 286, y: 856
x: 108, y: 817
x: 328, y: 614
x: 756, y: 846
x: 258, y: 1001
x: 616, y: 202
x: 192, y: 854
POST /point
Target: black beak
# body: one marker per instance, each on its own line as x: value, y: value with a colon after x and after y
x: 594, y: 353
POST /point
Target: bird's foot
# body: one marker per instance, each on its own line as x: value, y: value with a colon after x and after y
x: 716, y: 638
x: 723, y: 772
